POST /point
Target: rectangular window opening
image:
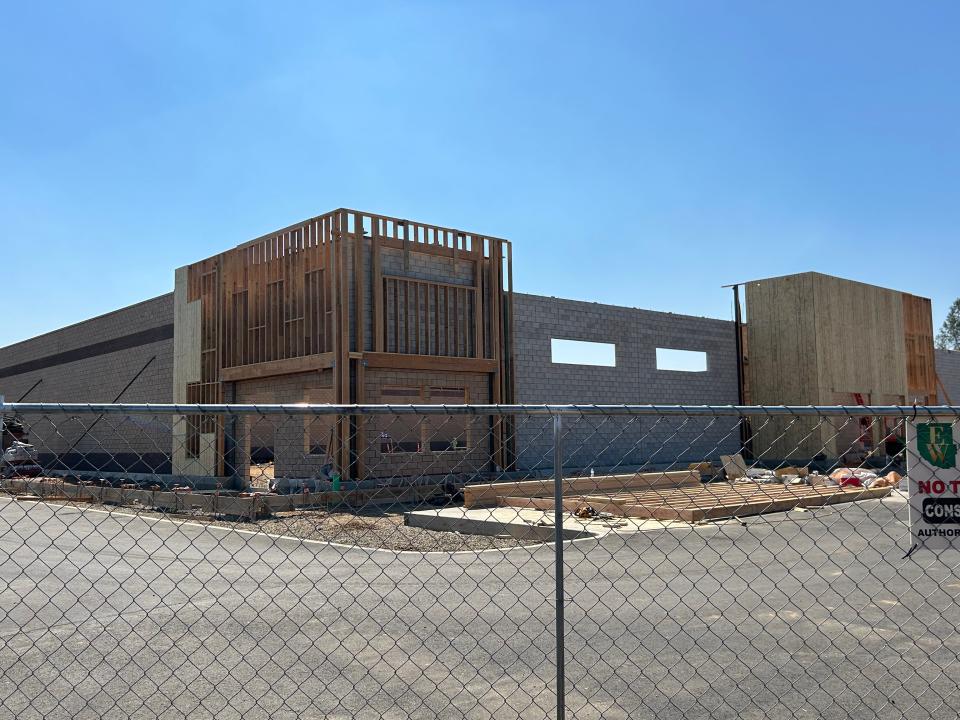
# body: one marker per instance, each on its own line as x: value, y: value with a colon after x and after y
x: 389, y: 445
x: 681, y: 360
x: 403, y: 433
x: 582, y: 352
x: 318, y: 436
x: 447, y: 433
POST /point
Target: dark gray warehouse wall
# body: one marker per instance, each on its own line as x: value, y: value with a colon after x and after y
x: 948, y: 368
x: 635, y: 379
x: 93, y: 361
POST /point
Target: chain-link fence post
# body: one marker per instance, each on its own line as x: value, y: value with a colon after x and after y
x: 558, y: 557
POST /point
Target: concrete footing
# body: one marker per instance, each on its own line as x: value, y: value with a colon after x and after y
x: 490, y: 521
x: 528, y: 524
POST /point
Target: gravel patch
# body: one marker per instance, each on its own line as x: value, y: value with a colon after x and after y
x: 368, y: 528
x: 378, y: 530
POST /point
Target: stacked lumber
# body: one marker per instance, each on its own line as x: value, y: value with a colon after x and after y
x: 487, y: 494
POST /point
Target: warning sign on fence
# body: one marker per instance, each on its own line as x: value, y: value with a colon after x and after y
x: 934, y: 483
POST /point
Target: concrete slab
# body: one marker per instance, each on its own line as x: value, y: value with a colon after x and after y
x: 525, y: 523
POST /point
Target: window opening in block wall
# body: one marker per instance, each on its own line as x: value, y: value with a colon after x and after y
x: 192, y: 442
x: 198, y: 425
x: 263, y: 442
x: 431, y: 433
x: 582, y: 352
x: 681, y: 360
x: 319, y: 429
x: 401, y: 433
x: 319, y: 434
x: 447, y: 433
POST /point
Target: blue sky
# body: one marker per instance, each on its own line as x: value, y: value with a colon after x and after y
x: 636, y: 153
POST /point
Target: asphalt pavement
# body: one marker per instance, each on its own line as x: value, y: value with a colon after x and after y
x: 793, y: 615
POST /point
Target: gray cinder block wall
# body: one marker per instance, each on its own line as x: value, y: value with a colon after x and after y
x: 948, y: 368
x: 92, y: 362
x: 617, y: 441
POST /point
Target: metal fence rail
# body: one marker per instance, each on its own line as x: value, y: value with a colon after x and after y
x: 475, y: 409
x: 532, y: 561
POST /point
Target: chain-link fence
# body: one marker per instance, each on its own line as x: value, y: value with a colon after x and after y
x: 479, y: 562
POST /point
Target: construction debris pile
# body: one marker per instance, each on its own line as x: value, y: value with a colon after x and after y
x: 735, y: 470
x: 19, y: 457
x: 20, y: 460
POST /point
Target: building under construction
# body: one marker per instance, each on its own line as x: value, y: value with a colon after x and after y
x: 347, y: 307
x: 352, y: 306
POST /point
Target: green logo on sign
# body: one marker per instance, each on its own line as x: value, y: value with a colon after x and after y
x: 936, y: 445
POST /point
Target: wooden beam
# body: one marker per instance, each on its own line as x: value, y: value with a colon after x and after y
x: 342, y: 353
x: 359, y: 281
x: 401, y: 361
x: 404, y: 278
x: 487, y: 493
x: 456, y: 322
x: 433, y: 325
x: 289, y: 366
x: 360, y: 442
x: 410, y: 246
x: 377, y: 285
x: 478, y: 308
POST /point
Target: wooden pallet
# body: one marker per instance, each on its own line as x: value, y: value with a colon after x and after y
x: 709, y: 502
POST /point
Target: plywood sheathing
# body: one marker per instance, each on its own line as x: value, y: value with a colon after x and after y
x: 921, y: 362
x: 821, y: 340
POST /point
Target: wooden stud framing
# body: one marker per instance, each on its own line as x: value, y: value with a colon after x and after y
x: 706, y: 503
x: 283, y: 303
x: 359, y: 278
x: 377, y: 285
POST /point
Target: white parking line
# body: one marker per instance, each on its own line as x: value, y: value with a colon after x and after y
x: 291, y: 538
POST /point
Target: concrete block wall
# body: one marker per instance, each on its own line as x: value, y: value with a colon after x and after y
x: 92, y: 362
x: 948, y: 368
x: 395, y: 262
x: 421, y: 266
x: 285, y: 435
x: 619, y: 441
x: 412, y: 428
